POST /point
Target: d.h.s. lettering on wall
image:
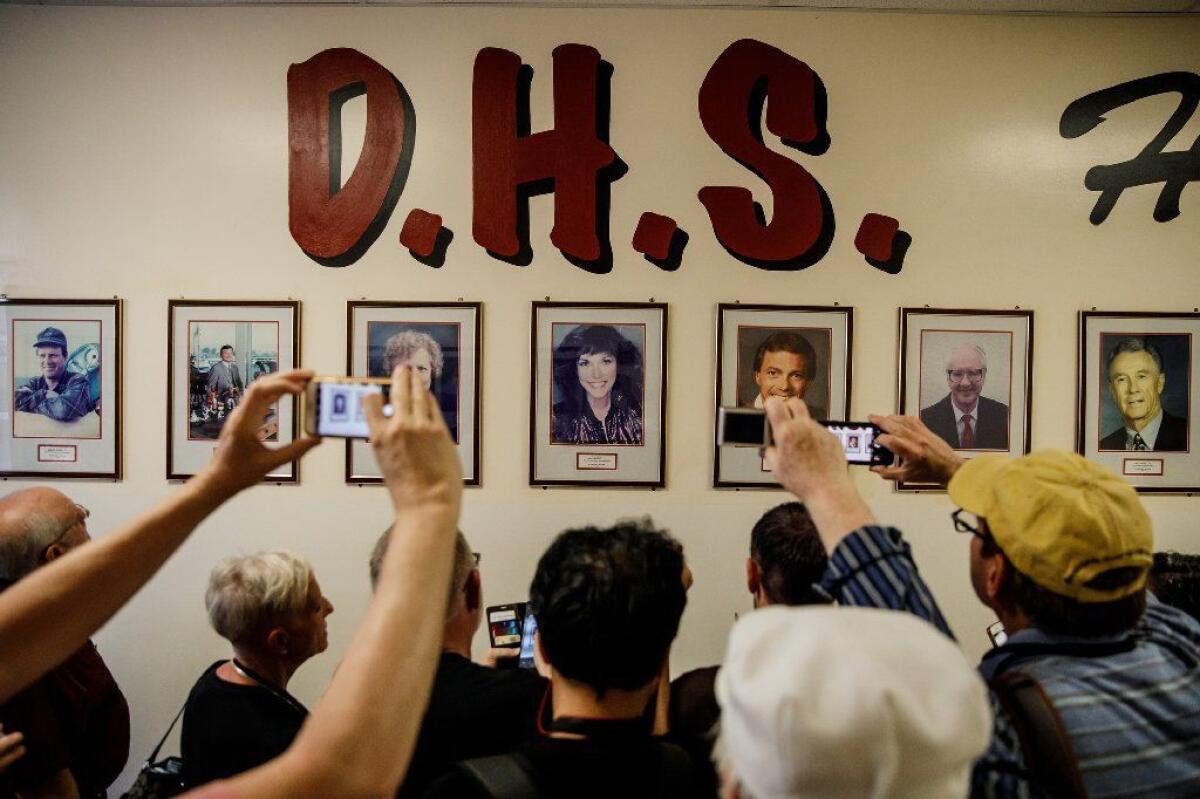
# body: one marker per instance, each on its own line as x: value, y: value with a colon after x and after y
x: 335, y: 223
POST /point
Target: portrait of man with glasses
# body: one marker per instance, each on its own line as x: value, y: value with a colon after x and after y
x: 964, y: 417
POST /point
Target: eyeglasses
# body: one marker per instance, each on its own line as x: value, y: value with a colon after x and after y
x: 963, y: 526
x: 476, y: 557
x: 958, y: 375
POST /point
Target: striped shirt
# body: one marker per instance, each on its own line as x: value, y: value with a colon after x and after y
x: 1132, y: 714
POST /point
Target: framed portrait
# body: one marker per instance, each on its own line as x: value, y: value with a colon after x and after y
x: 597, y: 410
x: 782, y: 351
x: 968, y: 374
x: 61, y: 388
x: 442, y: 343
x: 215, y: 350
x: 1136, y: 392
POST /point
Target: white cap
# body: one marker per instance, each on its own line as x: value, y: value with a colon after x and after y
x: 819, y: 701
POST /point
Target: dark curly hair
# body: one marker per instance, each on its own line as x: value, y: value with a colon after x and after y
x: 608, y: 603
x: 588, y: 340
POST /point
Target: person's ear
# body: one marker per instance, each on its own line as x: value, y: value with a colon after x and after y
x: 753, y: 577
x: 53, y: 552
x: 1162, y: 381
x: 278, y: 641
x: 996, y: 576
x: 473, y: 591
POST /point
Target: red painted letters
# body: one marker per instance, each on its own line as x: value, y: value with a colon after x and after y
x: 506, y: 162
x: 333, y: 223
x: 802, y: 223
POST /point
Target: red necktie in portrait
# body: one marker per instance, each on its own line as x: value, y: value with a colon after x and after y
x: 968, y: 435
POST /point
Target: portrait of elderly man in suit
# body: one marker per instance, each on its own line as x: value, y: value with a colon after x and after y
x: 964, y: 417
x: 1136, y: 380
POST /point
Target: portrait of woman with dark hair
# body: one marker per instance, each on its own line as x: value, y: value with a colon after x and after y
x: 598, y: 388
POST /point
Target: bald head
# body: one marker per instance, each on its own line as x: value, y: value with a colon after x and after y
x: 33, y: 520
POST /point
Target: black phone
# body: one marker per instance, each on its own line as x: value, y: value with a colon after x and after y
x: 504, y: 624
x: 749, y: 427
x: 333, y: 405
x: 525, y: 660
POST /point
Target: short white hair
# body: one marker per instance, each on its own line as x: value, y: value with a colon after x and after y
x: 246, y: 593
x: 966, y: 345
x: 21, y: 553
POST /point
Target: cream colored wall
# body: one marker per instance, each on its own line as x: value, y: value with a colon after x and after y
x: 144, y: 155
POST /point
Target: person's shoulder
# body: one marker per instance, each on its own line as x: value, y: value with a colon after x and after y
x: 456, y: 784
x: 490, y: 686
x: 75, y: 378
x: 1114, y: 440
x: 992, y: 405
x: 937, y: 408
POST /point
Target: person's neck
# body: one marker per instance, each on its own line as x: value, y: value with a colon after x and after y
x: 53, y: 383
x: 963, y: 410
x: 600, y: 406
x: 276, y: 671
x: 573, y: 699
x: 456, y: 642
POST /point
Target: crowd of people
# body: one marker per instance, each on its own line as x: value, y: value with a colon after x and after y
x: 844, y: 681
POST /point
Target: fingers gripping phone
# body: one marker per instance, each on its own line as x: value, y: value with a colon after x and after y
x: 333, y: 405
x: 749, y: 427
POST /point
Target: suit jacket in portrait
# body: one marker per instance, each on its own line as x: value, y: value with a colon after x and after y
x: 991, y: 427
x: 1172, y: 436
x: 223, y: 376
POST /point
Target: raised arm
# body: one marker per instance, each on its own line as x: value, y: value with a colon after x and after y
x: 49, y: 614
x: 359, y: 739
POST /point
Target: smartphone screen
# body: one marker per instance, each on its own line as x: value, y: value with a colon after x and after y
x: 339, y: 408
x: 858, y: 440
x: 742, y: 427
x: 526, y: 656
x: 504, y: 627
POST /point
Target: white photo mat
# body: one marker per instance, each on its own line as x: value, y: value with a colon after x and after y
x: 640, y: 465
x: 361, y: 466
x: 34, y: 444
x: 743, y: 467
x: 186, y: 455
x: 1150, y: 471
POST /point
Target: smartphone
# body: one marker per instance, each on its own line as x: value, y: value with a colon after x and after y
x: 333, y: 405
x: 997, y: 634
x: 504, y: 624
x: 525, y: 660
x: 749, y: 427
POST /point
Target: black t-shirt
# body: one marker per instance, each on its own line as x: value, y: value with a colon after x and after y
x: 230, y: 728
x: 626, y: 767
x: 473, y: 711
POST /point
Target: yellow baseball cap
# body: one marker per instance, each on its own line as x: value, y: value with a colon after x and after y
x: 1062, y: 520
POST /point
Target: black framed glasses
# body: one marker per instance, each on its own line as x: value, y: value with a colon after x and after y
x: 963, y: 526
x: 476, y: 557
x: 84, y: 513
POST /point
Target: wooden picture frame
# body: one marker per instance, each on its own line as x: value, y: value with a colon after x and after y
x: 446, y: 338
x: 806, y: 351
x: 1137, y: 377
x: 968, y: 357
x: 569, y: 445
x: 61, y: 387
x: 205, y: 381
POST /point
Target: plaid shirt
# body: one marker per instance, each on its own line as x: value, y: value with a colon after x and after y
x: 1131, y: 715
x: 72, y: 402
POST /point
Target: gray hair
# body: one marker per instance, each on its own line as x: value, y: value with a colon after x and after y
x: 464, y: 563
x: 1134, y: 344
x: 246, y: 593
x: 402, y: 345
x: 21, y: 553
x: 966, y: 345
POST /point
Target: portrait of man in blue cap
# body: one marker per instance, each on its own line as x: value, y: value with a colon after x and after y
x: 58, y: 393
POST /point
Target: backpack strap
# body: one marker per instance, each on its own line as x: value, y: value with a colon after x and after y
x: 502, y: 776
x: 154, y: 755
x: 1045, y: 745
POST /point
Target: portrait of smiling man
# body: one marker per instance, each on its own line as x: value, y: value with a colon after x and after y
x: 784, y: 365
x: 57, y: 393
x: 1136, y: 380
x: 965, y: 418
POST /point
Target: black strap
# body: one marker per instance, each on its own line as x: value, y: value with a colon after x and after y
x: 154, y: 755
x: 274, y: 690
x: 503, y: 776
x: 1045, y: 746
x: 602, y: 729
x: 1009, y: 655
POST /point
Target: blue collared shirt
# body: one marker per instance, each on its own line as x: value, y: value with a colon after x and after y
x: 1133, y: 716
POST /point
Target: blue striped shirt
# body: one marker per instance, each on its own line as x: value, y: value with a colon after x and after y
x: 1133, y: 716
